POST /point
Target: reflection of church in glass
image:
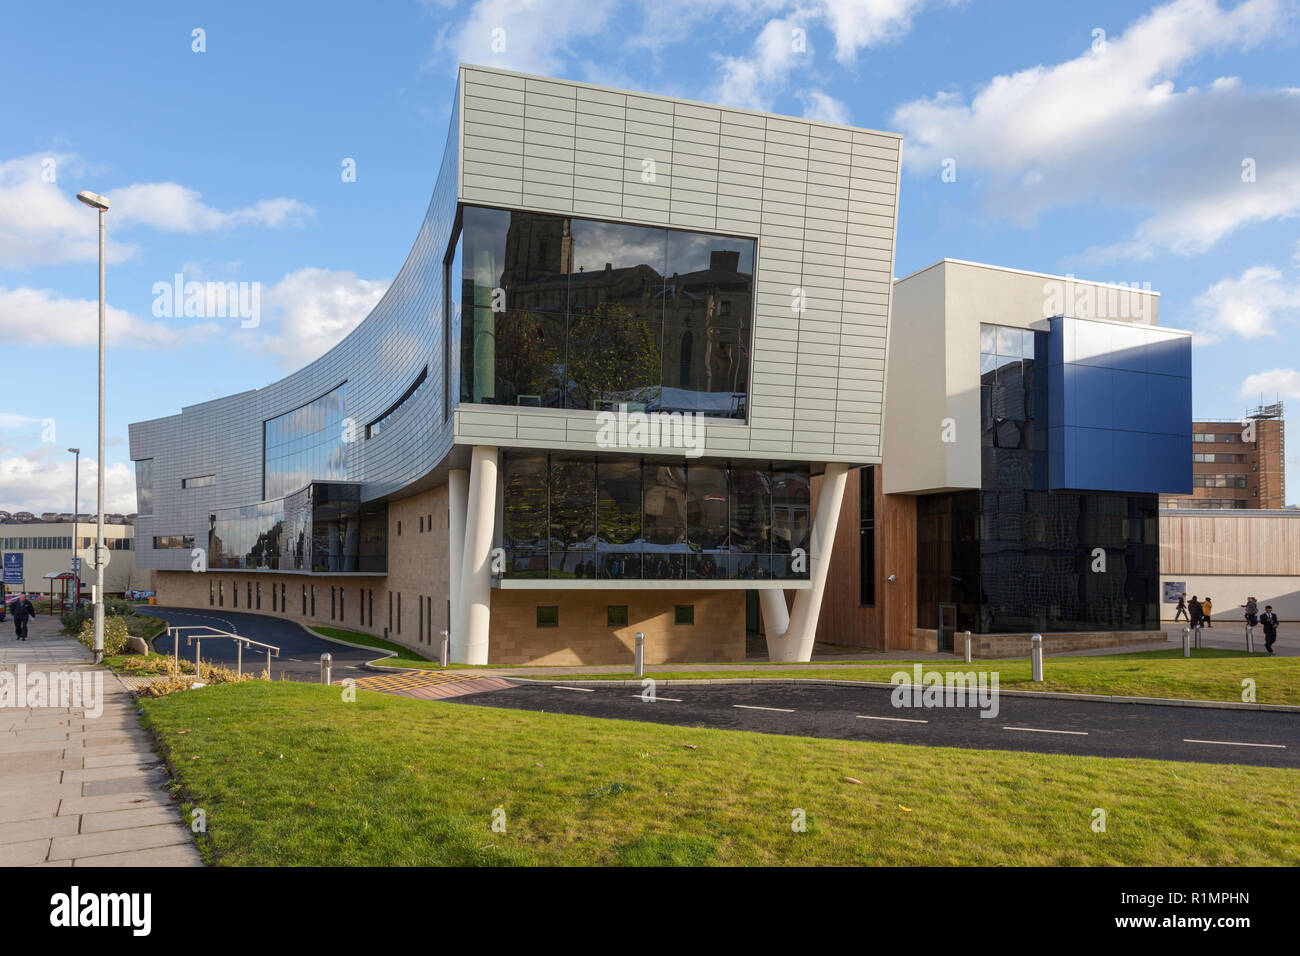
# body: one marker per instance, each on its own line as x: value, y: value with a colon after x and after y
x: 664, y: 325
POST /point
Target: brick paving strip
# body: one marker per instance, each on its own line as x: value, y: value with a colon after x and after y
x: 80, y: 790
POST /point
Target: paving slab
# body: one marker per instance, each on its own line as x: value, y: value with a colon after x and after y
x: 183, y: 854
x: 118, y: 841
x: 127, y: 819
x: 25, y: 830
x: 24, y: 854
x: 115, y: 801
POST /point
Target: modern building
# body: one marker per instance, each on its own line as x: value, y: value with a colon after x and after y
x: 46, y: 548
x: 1238, y: 463
x: 630, y: 333
x: 1031, y: 422
x: 1231, y: 556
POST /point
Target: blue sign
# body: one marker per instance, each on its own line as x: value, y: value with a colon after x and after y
x: 14, y: 568
x: 76, y: 565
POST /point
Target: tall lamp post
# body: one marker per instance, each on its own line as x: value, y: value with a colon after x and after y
x: 100, y: 203
x: 76, y: 506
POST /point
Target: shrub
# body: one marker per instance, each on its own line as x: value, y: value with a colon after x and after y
x: 115, y: 635
x: 73, y: 619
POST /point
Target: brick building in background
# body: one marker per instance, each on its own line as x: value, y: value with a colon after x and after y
x: 1229, y: 471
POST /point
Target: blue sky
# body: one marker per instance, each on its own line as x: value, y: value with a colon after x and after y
x: 1106, y: 141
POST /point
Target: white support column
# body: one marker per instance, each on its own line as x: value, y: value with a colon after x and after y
x: 796, y: 644
x: 776, y: 616
x: 476, y: 575
x: 457, y: 502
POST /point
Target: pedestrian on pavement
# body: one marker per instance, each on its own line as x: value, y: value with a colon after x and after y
x: 1207, y: 607
x: 22, y: 610
x: 1182, y: 607
x: 1197, y: 611
x: 1252, y: 611
x: 1269, y: 620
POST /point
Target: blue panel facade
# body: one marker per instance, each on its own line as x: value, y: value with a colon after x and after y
x: 1120, y: 407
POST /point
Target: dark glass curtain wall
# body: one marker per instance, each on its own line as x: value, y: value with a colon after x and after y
x: 561, y: 312
x: 625, y: 517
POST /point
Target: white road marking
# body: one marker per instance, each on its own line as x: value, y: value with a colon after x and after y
x: 651, y: 700
x: 1232, y: 743
x: 901, y: 720
x: 779, y: 710
x: 585, y: 690
x: 1042, y: 730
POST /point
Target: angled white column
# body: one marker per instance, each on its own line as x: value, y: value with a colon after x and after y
x: 476, y: 571
x: 457, y: 501
x: 796, y: 644
x: 776, y: 616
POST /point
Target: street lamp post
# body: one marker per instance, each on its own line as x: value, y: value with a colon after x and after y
x: 76, y: 507
x: 101, y: 204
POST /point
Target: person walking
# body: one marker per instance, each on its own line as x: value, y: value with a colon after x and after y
x: 1196, y: 611
x: 1207, y: 607
x: 1269, y: 620
x: 1182, y: 607
x: 22, y: 611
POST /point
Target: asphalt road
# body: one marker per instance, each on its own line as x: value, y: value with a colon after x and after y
x: 1055, y: 726
x: 299, y: 651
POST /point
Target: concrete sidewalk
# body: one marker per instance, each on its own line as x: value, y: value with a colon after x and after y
x: 78, y: 789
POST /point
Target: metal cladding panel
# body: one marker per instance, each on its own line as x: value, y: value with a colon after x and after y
x: 1120, y: 407
x: 379, y: 361
x: 820, y: 199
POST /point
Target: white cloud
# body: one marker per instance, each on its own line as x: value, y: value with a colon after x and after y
x: 1251, y: 305
x: 859, y: 24
x: 1281, y: 382
x: 821, y: 106
x: 1110, y: 125
x: 531, y: 36
x: 42, y: 480
x: 311, y: 310
x: 40, y: 318
x: 174, y: 208
x: 42, y: 223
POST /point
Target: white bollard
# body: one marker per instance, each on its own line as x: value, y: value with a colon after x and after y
x: 1036, y: 656
x: 446, y: 644
x: 1187, y: 642
x: 1250, y: 639
x: 326, y: 668
x: 968, y: 647
x: 1198, y: 638
x: 638, y: 665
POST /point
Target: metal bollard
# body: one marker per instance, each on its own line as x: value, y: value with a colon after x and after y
x: 326, y: 666
x: 1250, y: 639
x: 1036, y: 656
x: 446, y: 643
x: 1198, y: 637
x: 1187, y: 642
x: 968, y: 647
x: 638, y: 666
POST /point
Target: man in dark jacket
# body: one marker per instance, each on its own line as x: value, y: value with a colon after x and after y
x: 1197, y: 613
x: 1269, y: 620
x: 22, y: 610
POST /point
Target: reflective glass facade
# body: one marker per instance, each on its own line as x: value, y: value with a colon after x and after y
x: 323, y: 527
x: 1015, y: 557
x: 306, y: 444
x: 562, y: 312
x: 625, y: 517
x: 144, y: 487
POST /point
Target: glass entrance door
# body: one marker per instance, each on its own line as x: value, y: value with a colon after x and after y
x: 947, y: 626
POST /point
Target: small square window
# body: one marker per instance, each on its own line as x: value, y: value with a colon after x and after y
x: 548, y: 615
x: 684, y: 614
x: 616, y: 615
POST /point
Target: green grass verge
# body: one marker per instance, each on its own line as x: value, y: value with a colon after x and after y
x: 405, y: 656
x: 290, y: 774
x: 1209, y: 674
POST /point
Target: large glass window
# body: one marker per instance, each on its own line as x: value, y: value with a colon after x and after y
x: 144, y: 487
x: 306, y: 444
x: 560, y: 312
x: 574, y: 516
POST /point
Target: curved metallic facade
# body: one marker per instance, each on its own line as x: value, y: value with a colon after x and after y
x: 377, y: 362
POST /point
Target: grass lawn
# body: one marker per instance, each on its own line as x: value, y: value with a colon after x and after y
x: 1209, y: 674
x: 290, y: 774
x: 405, y: 656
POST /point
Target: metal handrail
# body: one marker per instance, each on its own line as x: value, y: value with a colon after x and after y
x: 197, y: 640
